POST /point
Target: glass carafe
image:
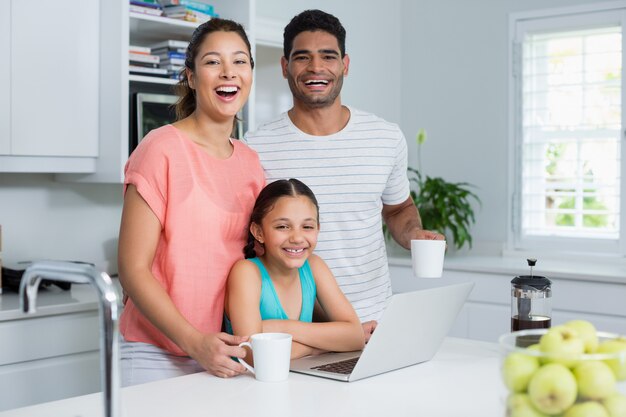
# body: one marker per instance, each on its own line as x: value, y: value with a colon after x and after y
x: 531, y: 301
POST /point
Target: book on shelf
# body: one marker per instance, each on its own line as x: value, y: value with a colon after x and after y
x: 157, y: 72
x: 177, y: 16
x: 173, y: 61
x: 170, y: 54
x: 174, y: 12
x: 170, y: 43
x: 143, y: 64
x: 136, y: 49
x: 173, y: 68
x: 146, y: 10
x: 154, y: 59
x: 153, y: 4
x: 164, y: 50
x: 196, y: 16
x: 191, y: 4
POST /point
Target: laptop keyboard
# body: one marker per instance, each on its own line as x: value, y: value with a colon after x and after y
x: 341, y: 367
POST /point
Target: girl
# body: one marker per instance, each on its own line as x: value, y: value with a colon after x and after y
x: 278, y: 290
x: 189, y: 191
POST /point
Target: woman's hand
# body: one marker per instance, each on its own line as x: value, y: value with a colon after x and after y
x: 214, y: 352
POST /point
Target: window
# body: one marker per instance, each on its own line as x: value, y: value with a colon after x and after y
x: 568, y: 129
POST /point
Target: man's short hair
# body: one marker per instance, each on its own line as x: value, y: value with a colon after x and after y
x: 311, y: 21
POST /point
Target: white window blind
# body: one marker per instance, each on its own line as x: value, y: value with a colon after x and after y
x: 569, y: 105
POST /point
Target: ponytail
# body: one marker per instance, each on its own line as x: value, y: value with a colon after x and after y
x: 248, y: 250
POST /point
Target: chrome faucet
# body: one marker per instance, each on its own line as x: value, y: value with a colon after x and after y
x: 109, y: 304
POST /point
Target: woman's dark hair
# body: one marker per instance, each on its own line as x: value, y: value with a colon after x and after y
x: 267, y: 199
x: 186, y: 103
x: 312, y: 21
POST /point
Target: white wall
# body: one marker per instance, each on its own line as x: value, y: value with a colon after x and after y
x: 455, y: 63
x: 44, y: 219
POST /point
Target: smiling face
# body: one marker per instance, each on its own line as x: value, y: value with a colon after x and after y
x: 222, y: 76
x: 288, y: 232
x: 315, y: 69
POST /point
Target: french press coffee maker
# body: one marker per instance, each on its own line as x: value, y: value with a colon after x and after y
x: 531, y: 298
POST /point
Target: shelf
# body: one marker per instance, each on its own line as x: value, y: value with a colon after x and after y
x: 152, y: 80
x: 146, y: 29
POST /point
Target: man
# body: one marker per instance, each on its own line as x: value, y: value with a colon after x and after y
x: 354, y: 161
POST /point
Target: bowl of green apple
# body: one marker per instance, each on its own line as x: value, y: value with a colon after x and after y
x: 568, y: 370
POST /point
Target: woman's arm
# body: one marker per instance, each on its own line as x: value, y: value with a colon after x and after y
x: 343, y: 332
x: 139, y: 235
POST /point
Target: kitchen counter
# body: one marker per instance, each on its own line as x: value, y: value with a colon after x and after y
x: 610, y: 271
x: 51, y: 300
x: 60, y: 342
x: 462, y: 379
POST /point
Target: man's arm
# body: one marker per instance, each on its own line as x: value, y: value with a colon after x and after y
x: 404, y: 223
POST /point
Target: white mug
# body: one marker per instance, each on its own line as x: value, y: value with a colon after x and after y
x: 427, y: 257
x: 272, y: 355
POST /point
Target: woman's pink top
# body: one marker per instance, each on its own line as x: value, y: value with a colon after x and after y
x: 204, y: 207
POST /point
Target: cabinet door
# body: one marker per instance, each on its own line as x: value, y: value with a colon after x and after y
x: 54, y: 77
x: 5, y: 81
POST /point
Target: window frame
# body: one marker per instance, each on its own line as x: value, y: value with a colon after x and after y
x: 558, y: 19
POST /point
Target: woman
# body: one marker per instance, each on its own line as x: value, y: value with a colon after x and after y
x: 189, y: 191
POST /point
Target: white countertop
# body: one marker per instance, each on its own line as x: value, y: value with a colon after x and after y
x: 50, y: 301
x: 580, y: 270
x: 462, y: 379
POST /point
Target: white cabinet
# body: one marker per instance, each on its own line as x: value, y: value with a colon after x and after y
x: 487, y: 312
x: 5, y: 81
x: 52, y: 83
x: 48, y: 358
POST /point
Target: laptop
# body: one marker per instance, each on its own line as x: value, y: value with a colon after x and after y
x: 410, y: 331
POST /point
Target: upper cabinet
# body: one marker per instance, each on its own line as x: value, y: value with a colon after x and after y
x: 5, y: 81
x: 49, y: 90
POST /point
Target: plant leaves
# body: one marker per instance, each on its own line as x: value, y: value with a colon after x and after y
x: 444, y: 206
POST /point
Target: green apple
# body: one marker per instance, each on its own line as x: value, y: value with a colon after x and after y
x: 519, y: 405
x: 562, y: 344
x: 615, y: 405
x: 587, y: 332
x: 618, y: 364
x: 517, y: 370
x: 587, y: 409
x: 536, y: 348
x: 595, y: 380
x: 552, y: 389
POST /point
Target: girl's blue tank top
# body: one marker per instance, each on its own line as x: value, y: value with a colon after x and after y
x: 270, y: 306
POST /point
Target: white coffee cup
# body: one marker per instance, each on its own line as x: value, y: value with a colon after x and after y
x: 272, y: 354
x: 427, y: 257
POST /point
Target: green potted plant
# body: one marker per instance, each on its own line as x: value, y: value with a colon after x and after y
x: 444, y: 206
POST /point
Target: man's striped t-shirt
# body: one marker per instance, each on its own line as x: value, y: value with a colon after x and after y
x: 352, y: 173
